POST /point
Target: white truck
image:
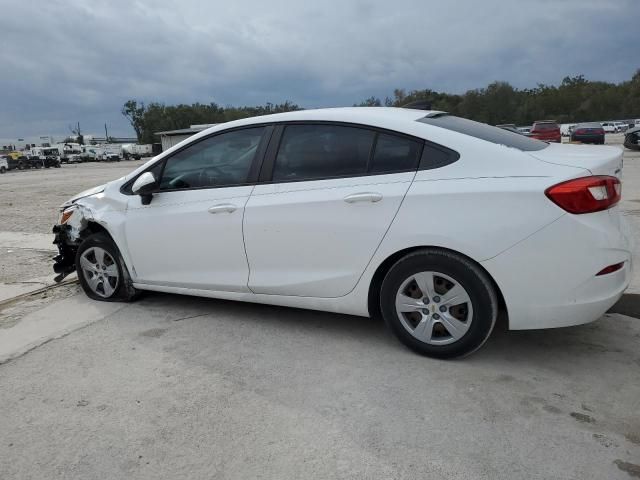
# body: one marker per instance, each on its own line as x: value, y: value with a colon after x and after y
x: 47, y: 156
x: 135, y: 151
x: 110, y: 152
x: 69, y: 152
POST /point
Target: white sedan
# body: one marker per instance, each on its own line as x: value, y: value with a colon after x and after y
x: 431, y: 221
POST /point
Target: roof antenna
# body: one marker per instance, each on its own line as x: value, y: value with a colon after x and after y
x: 418, y: 105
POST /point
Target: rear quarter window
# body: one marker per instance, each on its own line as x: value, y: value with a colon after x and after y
x: 485, y: 132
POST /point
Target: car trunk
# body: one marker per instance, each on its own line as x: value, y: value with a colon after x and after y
x: 599, y: 160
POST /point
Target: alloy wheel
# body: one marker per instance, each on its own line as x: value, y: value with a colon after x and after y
x: 434, y: 308
x: 100, y: 271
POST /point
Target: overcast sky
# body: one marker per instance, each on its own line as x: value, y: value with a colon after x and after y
x: 73, y: 60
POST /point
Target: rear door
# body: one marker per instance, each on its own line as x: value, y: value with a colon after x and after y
x: 328, y: 195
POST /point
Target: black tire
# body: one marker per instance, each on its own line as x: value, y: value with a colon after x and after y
x: 21, y: 166
x: 470, y: 276
x: 3, y: 169
x: 124, y: 290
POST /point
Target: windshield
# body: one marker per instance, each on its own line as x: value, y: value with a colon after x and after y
x: 485, y: 132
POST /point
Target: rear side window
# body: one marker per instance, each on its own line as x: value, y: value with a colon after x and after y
x: 309, y: 152
x: 395, y: 154
x: 485, y: 132
x: 436, y: 156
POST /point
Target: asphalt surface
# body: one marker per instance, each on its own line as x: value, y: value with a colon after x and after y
x: 180, y: 387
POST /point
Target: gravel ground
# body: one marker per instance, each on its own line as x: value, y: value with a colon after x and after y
x: 29, y: 199
x: 20, y: 265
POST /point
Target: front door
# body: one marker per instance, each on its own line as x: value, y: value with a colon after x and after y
x: 190, y: 235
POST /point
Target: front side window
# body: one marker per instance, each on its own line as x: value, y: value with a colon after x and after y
x: 219, y: 161
x: 309, y: 152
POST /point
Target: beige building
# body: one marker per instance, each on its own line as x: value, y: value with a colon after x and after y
x: 172, y: 137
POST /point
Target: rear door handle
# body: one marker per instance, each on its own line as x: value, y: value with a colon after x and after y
x: 363, y: 197
x: 223, y: 208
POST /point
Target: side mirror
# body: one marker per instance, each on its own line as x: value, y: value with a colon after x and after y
x: 144, y: 186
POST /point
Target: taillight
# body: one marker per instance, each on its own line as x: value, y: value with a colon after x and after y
x: 587, y: 194
x: 581, y: 132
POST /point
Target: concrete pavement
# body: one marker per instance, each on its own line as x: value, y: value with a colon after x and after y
x: 178, y: 387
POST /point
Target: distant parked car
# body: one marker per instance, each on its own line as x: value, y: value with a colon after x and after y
x: 632, y: 139
x: 547, y: 131
x: 588, y: 133
x: 4, y: 165
x: 525, y: 130
x: 610, y: 127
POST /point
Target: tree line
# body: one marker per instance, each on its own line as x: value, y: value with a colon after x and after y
x: 147, y: 119
x: 576, y: 99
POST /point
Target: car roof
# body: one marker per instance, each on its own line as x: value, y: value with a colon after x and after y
x: 384, y: 117
x: 341, y: 114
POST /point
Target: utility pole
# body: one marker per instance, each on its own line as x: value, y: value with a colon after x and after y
x: 106, y: 133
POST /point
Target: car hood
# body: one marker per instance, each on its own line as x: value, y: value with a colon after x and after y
x: 84, y: 194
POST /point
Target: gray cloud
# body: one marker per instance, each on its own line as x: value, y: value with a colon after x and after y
x: 70, y: 60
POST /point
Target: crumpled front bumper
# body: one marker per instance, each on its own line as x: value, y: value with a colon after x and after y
x: 65, y: 262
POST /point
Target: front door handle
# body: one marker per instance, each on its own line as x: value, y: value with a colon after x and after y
x: 223, y: 208
x: 363, y: 197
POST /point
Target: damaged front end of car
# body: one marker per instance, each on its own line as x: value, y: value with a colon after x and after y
x: 69, y: 234
x: 73, y: 226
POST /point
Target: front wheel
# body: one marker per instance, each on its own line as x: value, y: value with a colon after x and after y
x: 101, y: 270
x: 438, y: 303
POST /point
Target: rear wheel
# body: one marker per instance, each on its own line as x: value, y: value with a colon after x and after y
x: 3, y: 169
x: 101, y: 270
x: 438, y: 303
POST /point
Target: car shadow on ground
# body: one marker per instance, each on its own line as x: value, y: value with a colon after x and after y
x: 612, y: 335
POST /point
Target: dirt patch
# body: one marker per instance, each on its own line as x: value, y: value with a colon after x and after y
x: 604, y: 440
x: 633, y: 438
x: 12, y: 313
x: 154, y: 332
x: 581, y: 417
x: 631, y: 468
x: 19, y: 265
